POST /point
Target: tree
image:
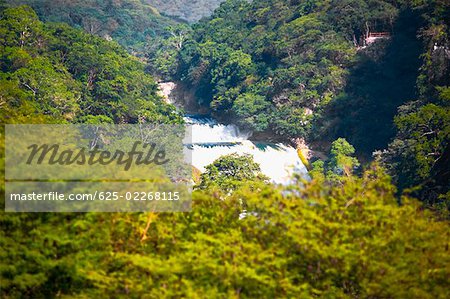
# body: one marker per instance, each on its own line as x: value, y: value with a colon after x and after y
x: 231, y: 171
x: 164, y: 51
x: 342, y: 160
x: 415, y: 156
x: 253, y: 111
x: 340, y: 165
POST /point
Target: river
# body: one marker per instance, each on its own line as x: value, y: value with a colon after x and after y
x: 211, y: 140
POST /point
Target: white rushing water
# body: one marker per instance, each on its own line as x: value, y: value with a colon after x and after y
x: 211, y: 140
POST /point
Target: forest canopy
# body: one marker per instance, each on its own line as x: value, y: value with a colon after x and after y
x: 65, y: 74
x: 358, y: 229
x: 133, y: 24
x: 305, y: 70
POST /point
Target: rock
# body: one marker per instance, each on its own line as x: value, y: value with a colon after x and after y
x: 165, y: 90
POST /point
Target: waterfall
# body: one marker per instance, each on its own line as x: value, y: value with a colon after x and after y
x: 211, y: 140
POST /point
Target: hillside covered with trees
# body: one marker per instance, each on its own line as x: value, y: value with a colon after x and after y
x: 303, y: 70
x: 60, y: 73
x: 376, y: 227
x: 133, y: 24
x: 286, y: 60
x: 187, y: 10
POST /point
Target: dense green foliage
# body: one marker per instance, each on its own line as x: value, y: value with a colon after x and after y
x: 419, y: 155
x: 162, y: 53
x: 354, y: 241
x: 271, y: 64
x: 63, y: 73
x: 266, y: 64
x: 188, y: 10
x: 302, y: 69
x: 230, y: 172
x: 383, y: 78
x: 340, y: 165
x: 133, y: 23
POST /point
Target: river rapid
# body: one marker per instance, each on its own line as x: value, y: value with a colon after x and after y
x: 211, y: 140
